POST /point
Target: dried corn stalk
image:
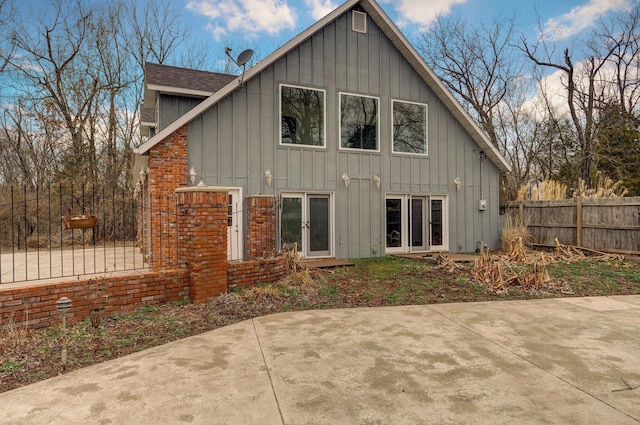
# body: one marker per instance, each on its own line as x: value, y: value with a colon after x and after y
x: 572, y: 254
x: 497, y: 273
x: 446, y: 262
x: 490, y: 273
x: 517, y: 251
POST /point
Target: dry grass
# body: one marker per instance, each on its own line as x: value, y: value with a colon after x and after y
x: 527, y: 269
x: 493, y: 273
x: 299, y: 280
x: 12, y: 337
x: 547, y: 190
x: 603, y: 187
x: 512, y: 230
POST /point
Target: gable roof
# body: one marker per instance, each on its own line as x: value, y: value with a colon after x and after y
x: 397, y: 39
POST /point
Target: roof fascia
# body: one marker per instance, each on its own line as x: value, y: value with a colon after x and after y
x: 178, y: 90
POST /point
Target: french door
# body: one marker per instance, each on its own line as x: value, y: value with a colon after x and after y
x: 415, y: 223
x: 306, y: 223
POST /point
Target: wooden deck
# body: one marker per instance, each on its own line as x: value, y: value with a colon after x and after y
x: 429, y: 256
x: 327, y: 263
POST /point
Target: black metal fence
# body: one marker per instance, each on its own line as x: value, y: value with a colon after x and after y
x: 67, y: 230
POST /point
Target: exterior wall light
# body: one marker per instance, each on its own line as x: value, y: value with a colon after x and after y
x: 346, y: 179
x: 268, y: 176
x: 193, y: 176
x: 376, y: 179
x: 458, y: 183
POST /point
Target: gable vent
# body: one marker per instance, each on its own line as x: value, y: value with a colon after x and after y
x: 359, y: 21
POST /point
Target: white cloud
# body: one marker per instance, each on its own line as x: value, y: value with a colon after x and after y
x: 320, y: 8
x: 244, y: 16
x: 204, y: 8
x: 581, y: 17
x: 217, y: 31
x: 422, y: 12
x: 554, y: 88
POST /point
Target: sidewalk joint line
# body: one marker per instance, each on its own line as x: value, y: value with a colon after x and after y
x: 533, y: 364
x: 264, y: 360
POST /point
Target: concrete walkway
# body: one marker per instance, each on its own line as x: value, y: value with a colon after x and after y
x: 44, y: 264
x: 559, y: 361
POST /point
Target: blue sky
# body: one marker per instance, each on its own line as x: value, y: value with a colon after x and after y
x: 264, y: 25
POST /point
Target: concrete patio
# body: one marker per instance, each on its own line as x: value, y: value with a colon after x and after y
x: 553, y: 361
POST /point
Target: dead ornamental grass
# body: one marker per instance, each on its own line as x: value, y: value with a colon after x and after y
x: 528, y: 270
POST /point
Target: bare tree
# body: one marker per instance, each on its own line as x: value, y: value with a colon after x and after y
x: 475, y: 62
x: 610, y: 71
x: 156, y: 30
x: 623, y: 33
x: 29, y: 156
x: 55, y: 62
x: 478, y: 62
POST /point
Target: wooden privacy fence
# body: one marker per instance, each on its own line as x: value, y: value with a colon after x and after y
x: 606, y: 224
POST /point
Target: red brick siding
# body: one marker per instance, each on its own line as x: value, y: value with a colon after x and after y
x: 261, y: 226
x: 35, y: 305
x: 249, y: 273
x: 168, y: 171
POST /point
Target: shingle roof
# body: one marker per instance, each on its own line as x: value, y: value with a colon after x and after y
x: 185, y: 78
x: 147, y: 115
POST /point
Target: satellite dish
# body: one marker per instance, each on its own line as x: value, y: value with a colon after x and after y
x: 244, y: 57
x: 242, y: 60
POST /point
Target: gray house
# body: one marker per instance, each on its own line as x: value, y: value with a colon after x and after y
x: 363, y: 148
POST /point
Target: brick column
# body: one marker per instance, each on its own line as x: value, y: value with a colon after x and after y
x: 202, y: 240
x: 261, y: 226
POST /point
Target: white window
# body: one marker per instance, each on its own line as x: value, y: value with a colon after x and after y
x: 302, y: 116
x: 358, y: 122
x: 409, y: 127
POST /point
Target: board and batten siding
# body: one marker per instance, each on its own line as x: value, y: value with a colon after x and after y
x: 237, y: 140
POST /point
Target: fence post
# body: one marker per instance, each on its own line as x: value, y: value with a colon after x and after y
x: 579, y: 222
x: 521, y: 213
x: 202, y: 240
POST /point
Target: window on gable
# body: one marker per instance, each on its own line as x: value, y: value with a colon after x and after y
x: 358, y: 122
x: 301, y: 116
x: 409, y: 127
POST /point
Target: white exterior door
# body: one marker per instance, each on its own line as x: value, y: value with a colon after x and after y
x: 306, y: 223
x: 415, y: 223
x: 234, y: 225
